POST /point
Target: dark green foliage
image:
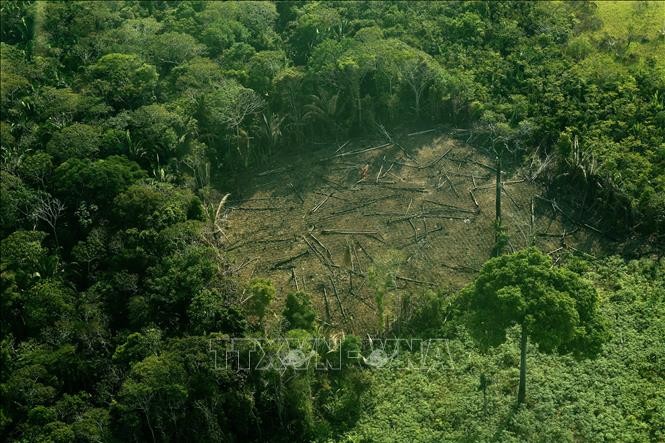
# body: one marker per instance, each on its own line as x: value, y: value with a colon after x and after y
x: 298, y: 311
x: 96, y: 181
x: 553, y: 307
x: 75, y: 141
x: 557, y: 307
x: 124, y: 123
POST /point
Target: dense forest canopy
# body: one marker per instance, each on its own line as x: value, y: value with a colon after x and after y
x: 127, y: 127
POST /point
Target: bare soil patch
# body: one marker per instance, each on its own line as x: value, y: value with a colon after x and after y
x: 422, y: 208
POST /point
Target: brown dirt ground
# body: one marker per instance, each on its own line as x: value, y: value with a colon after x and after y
x: 412, y: 213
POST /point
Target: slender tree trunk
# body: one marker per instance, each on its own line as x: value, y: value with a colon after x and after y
x: 498, y: 191
x: 521, y: 393
x: 147, y: 419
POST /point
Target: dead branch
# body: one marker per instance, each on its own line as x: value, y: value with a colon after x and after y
x: 421, y: 132
x: 240, y: 244
x: 450, y: 182
x: 415, y: 232
x: 321, y: 203
x: 505, y: 191
x: 281, y: 263
x: 362, y: 205
x: 562, y: 235
x: 362, y: 248
x: 400, y: 188
x: 434, y: 162
x: 413, y: 280
x: 272, y: 171
x: 360, y: 151
x: 318, y: 254
x: 267, y: 208
x: 233, y: 271
x: 456, y: 208
x: 323, y: 246
x: 371, y: 234
x: 556, y: 208
x: 511, y: 182
x: 295, y: 191
x: 342, y: 147
x: 339, y: 301
x: 336, y: 197
x: 295, y: 279
x: 475, y: 202
x: 342, y: 232
x: 325, y: 301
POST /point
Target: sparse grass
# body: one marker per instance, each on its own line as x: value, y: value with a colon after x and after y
x: 622, y: 17
x: 643, y: 21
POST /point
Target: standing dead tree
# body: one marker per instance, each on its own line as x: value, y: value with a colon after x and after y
x: 49, y: 209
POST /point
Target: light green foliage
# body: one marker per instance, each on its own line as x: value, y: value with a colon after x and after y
x: 123, y: 80
x: 618, y: 395
x: 153, y: 395
x: 173, y: 48
x: 260, y: 294
x: 197, y: 76
x: 155, y: 206
x: 262, y: 69
x: 381, y: 278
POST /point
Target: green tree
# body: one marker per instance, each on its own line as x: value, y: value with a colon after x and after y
x: 173, y: 48
x: 124, y: 80
x: 76, y: 141
x: 155, y: 206
x: 554, y: 307
x: 298, y: 311
x: 99, y: 181
x: 212, y: 311
x: 158, y: 132
x: 152, y: 397
x: 261, y: 293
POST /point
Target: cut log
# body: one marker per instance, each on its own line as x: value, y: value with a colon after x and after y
x: 360, y: 151
x: 321, y: 203
x: 475, y: 202
x: 281, y: 263
x: 339, y: 301
x: 421, y: 132
x: 342, y: 147
x: 413, y: 280
x: 326, y: 304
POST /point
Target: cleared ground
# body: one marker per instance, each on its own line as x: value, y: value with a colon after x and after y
x: 418, y: 212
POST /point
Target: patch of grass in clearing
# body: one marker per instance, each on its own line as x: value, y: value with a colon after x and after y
x: 643, y: 22
x: 641, y: 18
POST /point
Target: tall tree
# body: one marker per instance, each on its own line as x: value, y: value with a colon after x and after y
x: 554, y: 307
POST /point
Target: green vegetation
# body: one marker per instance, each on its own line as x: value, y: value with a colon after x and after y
x: 553, y: 307
x: 616, y: 396
x: 130, y: 130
